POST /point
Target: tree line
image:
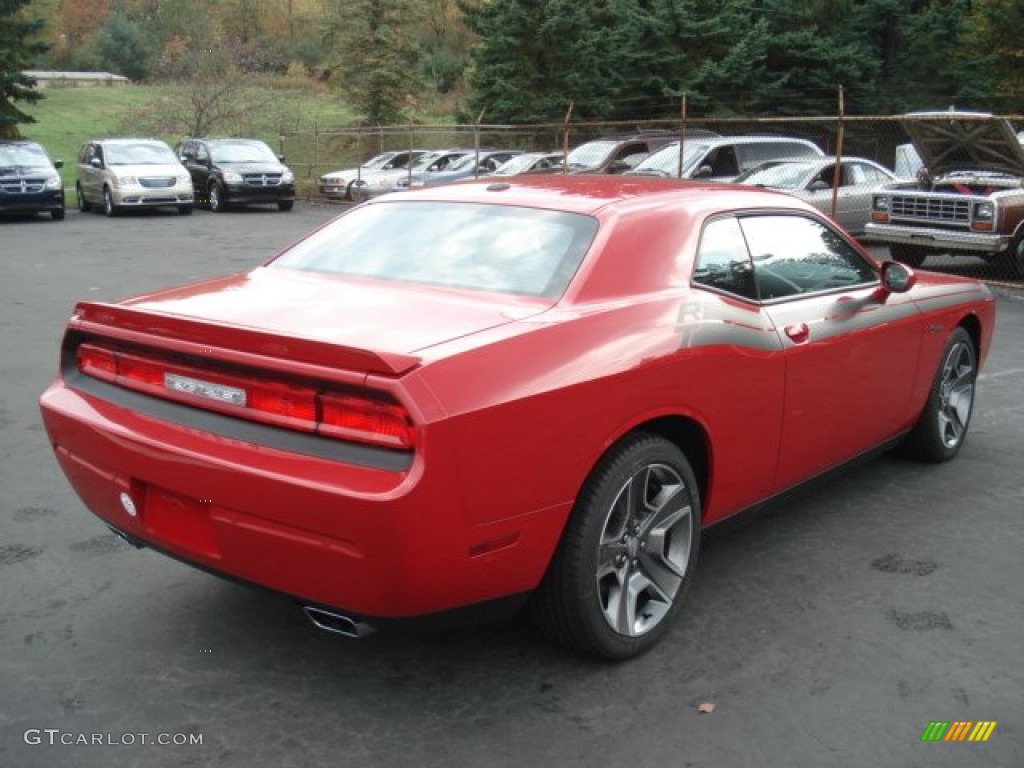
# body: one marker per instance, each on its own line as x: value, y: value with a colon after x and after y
x: 525, y: 61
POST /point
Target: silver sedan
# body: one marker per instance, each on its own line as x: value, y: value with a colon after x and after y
x: 813, y: 181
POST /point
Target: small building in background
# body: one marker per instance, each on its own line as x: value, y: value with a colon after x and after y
x: 45, y: 78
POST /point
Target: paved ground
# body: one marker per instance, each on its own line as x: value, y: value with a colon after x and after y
x: 827, y: 633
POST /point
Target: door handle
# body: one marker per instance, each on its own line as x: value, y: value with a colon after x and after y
x: 798, y: 332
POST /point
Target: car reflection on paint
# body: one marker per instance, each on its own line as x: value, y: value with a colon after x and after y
x: 454, y: 402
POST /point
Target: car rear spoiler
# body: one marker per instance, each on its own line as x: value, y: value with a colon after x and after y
x: 230, y: 343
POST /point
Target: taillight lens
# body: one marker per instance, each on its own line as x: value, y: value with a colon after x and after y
x: 295, y: 406
x: 366, y: 420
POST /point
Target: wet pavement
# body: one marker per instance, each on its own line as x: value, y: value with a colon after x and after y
x: 828, y: 632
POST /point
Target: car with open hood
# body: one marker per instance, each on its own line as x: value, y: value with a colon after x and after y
x: 967, y: 198
x: 454, y: 402
x: 29, y: 182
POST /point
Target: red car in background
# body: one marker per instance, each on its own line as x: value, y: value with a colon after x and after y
x: 468, y: 397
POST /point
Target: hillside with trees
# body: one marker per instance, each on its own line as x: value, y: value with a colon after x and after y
x: 522, y: 61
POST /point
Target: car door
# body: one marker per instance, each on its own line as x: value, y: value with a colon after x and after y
x: 199, y: 168
x: 92, y: 175
x: 851, y: 349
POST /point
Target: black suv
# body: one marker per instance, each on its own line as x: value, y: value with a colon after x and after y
x: 226, y: 172
x: 29, y: 182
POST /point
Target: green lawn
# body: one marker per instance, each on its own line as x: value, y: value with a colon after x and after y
x: 69, y: 116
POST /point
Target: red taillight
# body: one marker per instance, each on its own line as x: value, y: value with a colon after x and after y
x: 97, y: 362
x: 299, y: 407
x: 370, y: 421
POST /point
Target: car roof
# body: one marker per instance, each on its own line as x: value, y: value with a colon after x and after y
x: 587, y: 195
x: 126, y: 141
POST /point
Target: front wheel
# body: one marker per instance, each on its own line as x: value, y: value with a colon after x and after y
x: 1013, y: 259
x: 627, y: 555
x: 215, y: 198
x: 109, y: 209
x: 942, y: 427
x: 285, y: 205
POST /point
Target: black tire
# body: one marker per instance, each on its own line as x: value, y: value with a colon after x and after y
x: 1013, y: 259
x: 358, y: 193
x: 285, y: 205
x: 942, y: 427
x: 348, y: 190
x: 651, y: 544
x: 185, y: 210
x: 109, y: 209
x: 215, y: 198
x: 911, y: 255
x: 83, y: 204
x: 57, y: 214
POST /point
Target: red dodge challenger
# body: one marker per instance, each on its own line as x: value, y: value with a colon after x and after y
x: 453, y: 401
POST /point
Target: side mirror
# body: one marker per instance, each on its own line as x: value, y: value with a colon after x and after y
x: 818, y: 185
x: 281, y: 158
x: 704, y: 172
x: 58, y: 163
x: 896, y: 277
x: 96, y: 163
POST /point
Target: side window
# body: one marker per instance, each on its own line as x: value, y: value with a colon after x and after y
x: 202, y: 153
x: 794, y: 255
x: 722, y: 259
x: 723, y: 162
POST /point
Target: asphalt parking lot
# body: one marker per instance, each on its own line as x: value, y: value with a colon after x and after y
x: 829, y: 632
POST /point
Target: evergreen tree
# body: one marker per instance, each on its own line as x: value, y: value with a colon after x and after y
x: 18, y: 48
x: 378, y: 57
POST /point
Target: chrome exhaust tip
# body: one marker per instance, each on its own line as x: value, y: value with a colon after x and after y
x: 337, y: 623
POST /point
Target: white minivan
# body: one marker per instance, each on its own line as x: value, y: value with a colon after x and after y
x: 723, y: 158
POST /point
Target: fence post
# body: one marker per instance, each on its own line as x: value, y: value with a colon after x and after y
x: 565, y: 139
x: 316, y: 147
x: 837, y: 170
x: 476, y: 142
x: 682, y: 135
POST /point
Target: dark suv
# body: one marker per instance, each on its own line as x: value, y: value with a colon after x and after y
x: 226, y: 172
x: 29, y: 182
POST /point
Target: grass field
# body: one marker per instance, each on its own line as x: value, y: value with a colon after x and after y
x: 69, y: 116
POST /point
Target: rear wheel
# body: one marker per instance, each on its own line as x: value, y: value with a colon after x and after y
x: 627, y: 555
x: 942, y: 427
x: 911, y: 255
x: 57, y: 214
x: 83, y: 204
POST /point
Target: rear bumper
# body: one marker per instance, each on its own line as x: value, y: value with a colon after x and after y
x: 937, y: 239
x: 365, y: 541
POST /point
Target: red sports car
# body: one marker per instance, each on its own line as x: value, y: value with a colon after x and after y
x: 445, y: 403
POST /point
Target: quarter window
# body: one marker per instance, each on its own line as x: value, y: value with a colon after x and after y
x: 722, y: 259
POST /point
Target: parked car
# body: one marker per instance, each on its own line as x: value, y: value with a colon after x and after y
x: 29, y: 182
x: 468, y: 397
x: 472, y: 165
x: 122, y: 174
x: 392, y: 181
x: 814, y: 181
x: 723, y: 158
x: 616, y: 154
x: 531, y: 162
x: 227, y: 172
x: 337, y: 185
x: 968, y: 198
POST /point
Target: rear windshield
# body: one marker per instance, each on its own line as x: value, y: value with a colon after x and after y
x: 499, y: 249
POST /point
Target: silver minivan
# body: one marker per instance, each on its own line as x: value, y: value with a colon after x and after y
x: 118, y: 174
x: 723, y: 158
